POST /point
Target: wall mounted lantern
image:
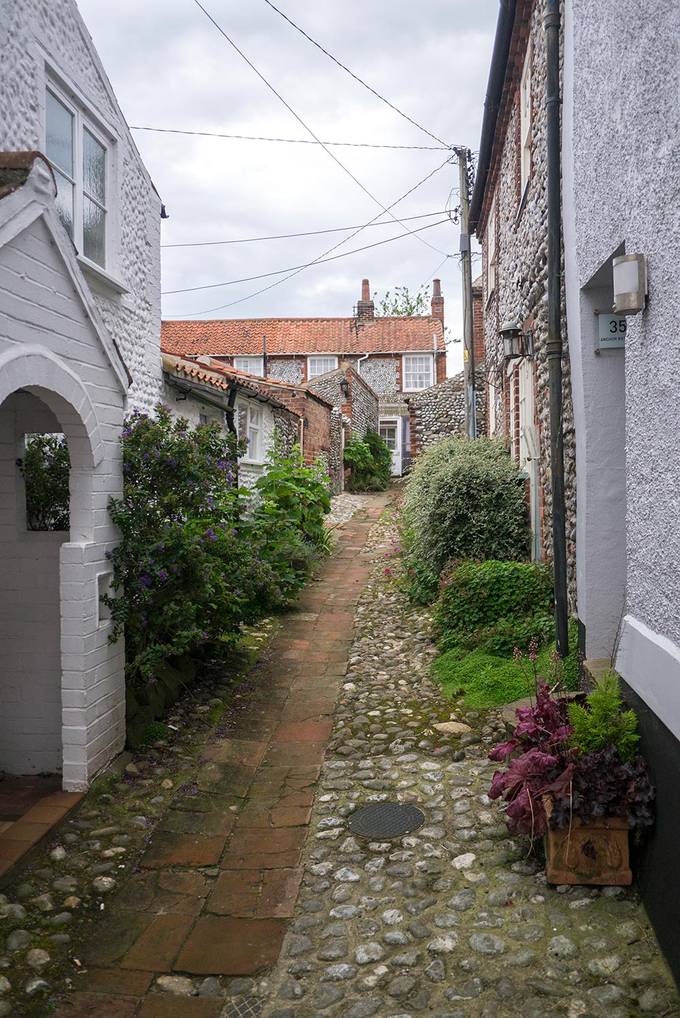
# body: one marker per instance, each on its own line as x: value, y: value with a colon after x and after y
x: 630, y: 283
x: 344, y: 387
x: 511, y: 334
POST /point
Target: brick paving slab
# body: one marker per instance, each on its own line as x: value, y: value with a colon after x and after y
x: 220, y: 877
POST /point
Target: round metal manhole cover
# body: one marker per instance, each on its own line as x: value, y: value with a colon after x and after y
x: 381, y: 820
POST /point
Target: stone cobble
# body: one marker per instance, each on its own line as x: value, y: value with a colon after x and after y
x: 454, y: 920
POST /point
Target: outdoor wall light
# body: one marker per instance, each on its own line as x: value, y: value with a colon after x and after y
x: 344, y: 387
x: 511, y: 334
x: 630, y: 283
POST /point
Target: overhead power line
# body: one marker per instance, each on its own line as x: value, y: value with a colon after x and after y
x: 287, y: 236
x: 299, y: 119
x: 340, y: 243
x: 305, y: 265
x: 292, y: 141
x: 355, y: 76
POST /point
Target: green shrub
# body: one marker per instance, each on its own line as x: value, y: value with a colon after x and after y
x: 370, y: 463
x: 480, y: 595
x: 464, y: 500
x: 504, y: 636
x: 199, y: 556
x: 46, y: 467
x: 602, y: 722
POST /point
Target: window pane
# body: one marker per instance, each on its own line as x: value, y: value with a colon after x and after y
x: 417, y: 372
x: 94, y: 167
x: 64, y: 201
x: 250, y: 364
x: 93, y: 232
x: 320, y: 365
x: 59, y: 134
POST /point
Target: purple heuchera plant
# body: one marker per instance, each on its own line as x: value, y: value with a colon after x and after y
x: 539, y: 761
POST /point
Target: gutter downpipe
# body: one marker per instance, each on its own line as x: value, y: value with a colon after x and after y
x: 551, y: 25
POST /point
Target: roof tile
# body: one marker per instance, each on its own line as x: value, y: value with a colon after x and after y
x: 241, y: 337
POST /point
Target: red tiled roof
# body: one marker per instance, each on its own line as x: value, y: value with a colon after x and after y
x: 241, y: 337
x: 219, y: 376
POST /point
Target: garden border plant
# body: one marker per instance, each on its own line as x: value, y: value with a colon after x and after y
x: 200, y: 556
x: 370, y: 463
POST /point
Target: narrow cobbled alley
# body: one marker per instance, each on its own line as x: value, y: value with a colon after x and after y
x: 252, y: 897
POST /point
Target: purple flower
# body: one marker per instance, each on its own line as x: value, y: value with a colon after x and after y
x: 209, y: 535
x: 163, y: 574
x: 145, y: 581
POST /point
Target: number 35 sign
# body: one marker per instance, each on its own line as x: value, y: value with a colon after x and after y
x: 611, y: 332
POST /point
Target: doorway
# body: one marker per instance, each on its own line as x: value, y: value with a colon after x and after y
x: 389, y: 431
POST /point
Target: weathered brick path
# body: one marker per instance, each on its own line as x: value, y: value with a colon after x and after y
x: 222, y: 873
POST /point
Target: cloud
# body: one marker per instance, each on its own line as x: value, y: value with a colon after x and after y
x: 171, y: 68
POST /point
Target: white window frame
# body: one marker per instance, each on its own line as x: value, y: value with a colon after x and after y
x: 525, y: 123
x: 254, y: 424
x: 491, y: 249
x: 320, y: 357
x: 84, y: 120
x: 254, y: 365
x: 405, y: 371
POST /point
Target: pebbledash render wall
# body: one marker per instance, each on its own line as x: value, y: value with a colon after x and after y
x: 520, y: 291
x: 626, y: 401
x: 43, y: 40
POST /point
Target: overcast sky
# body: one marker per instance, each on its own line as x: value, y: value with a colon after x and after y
x: 171, y: 68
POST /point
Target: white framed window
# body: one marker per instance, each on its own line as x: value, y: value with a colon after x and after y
x: 525, y: 122
x: 491, y: 250
x: 249, y: 428
x: 80, y: 156
x: 320, y: 365
x: 418, y: 371
x: 253, y: 365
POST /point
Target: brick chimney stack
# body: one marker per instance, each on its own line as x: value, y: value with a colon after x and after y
x: 437, y: 300
x: 365, y: 306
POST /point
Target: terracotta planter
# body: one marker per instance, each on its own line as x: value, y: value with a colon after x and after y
x: 592, y: 853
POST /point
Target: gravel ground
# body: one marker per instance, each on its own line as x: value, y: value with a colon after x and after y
x: 455, y: 920
x: 344, y: 506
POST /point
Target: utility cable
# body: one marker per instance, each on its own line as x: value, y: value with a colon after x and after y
x: 288, y: 236
x: 355, y: 76
x: 309, y: 130
x: 292, y: 141
x: 334, y: 247
x: 305, y: 265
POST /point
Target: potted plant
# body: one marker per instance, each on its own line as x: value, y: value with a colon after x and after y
x: 573, y: 776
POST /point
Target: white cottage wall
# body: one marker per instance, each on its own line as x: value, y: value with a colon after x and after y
x: 41, y: 37
x: 51, y: 349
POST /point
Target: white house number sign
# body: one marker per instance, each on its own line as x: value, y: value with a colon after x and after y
x: 611, y: 332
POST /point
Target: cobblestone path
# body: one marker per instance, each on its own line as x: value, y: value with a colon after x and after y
x: 216, y: 876
x: 453, y: 921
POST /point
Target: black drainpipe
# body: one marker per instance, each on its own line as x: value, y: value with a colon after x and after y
x: 554, y: 345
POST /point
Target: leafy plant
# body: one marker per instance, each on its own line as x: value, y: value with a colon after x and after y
x: 602, y: 722
x: 199, y: 556
x: 479, y: 596
x: 46, y: 468
x: 541, y: 760
x: 370, y: 463
x: 464, y: 500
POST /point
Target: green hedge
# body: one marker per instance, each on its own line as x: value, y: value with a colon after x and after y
x: 479, y: 596
x: 463, y: 500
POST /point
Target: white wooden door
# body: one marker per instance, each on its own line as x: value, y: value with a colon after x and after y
x: 390, y: 433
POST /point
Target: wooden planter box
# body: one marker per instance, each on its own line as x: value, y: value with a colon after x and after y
x: 592, y: 853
